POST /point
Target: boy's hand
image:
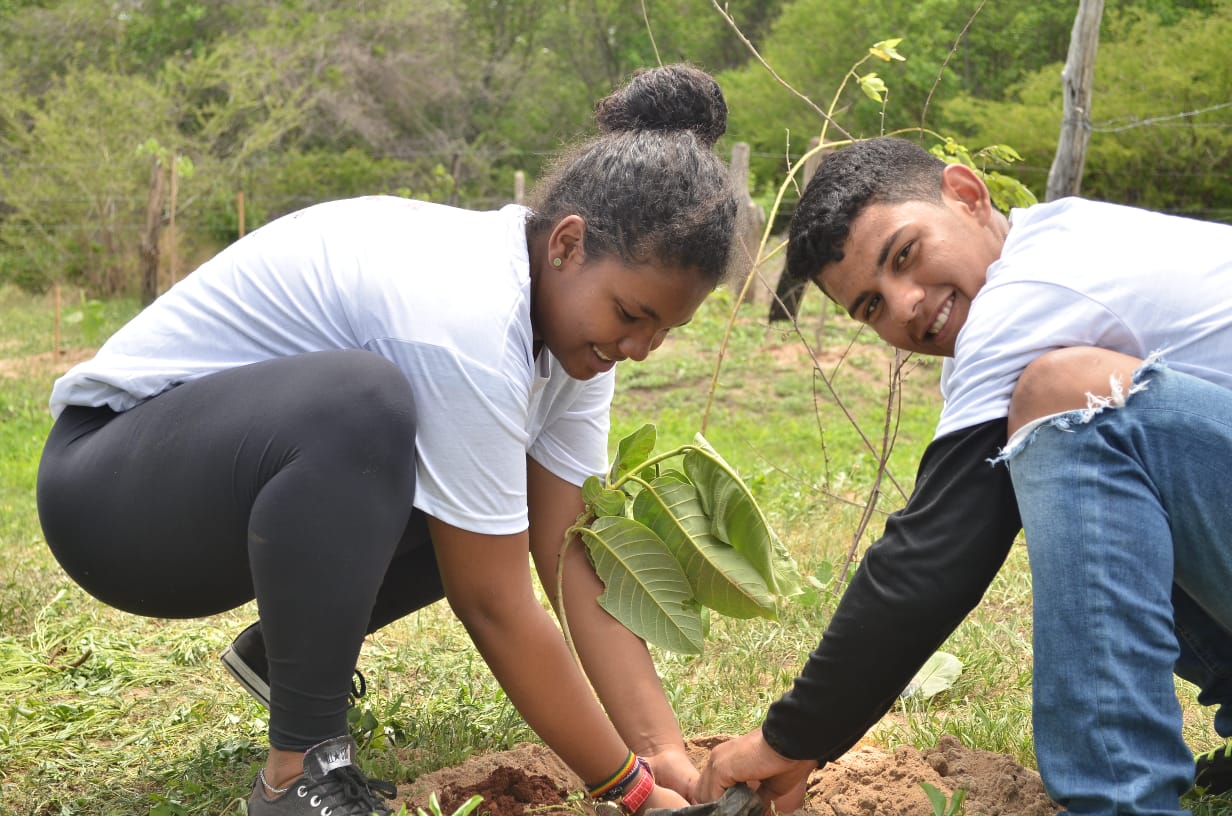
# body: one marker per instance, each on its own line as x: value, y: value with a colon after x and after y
x: 751, y: 759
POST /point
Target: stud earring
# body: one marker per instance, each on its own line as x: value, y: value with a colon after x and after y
x: 556, y: 262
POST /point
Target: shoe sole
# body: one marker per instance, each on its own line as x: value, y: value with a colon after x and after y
x: 245, y: 676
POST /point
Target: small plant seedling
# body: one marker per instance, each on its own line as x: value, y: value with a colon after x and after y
x: 669, y: 543
x: 434, y: 807
x: 937, y: 798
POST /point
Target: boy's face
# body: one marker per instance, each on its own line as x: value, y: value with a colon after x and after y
x: 910, y: 270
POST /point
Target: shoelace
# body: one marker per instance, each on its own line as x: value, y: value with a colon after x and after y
x: 353, y: 791
x: 359, y: 686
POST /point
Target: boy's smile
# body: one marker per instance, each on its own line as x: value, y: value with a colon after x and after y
x: 911, y: 269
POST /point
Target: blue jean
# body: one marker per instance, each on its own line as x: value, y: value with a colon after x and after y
x: 1128, y: 518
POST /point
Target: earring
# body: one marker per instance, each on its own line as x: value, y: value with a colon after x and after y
x: 556, y: 262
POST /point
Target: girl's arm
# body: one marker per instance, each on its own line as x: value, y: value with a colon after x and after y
x: 615, y: 660
x: 488, y: 584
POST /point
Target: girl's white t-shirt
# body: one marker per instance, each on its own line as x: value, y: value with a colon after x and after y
x: 443, y: 293
x: 1076, y: 272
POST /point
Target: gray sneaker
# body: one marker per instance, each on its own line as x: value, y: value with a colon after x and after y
x: 246, y: 661
x: 332, y: 785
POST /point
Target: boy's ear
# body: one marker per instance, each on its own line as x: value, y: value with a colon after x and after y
x: 964, y: 186
x: 568, y: 239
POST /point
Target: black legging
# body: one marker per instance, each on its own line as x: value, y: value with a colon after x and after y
x: 288, y: 480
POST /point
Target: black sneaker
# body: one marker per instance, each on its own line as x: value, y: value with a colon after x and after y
x: 1213, y: 770
x: 332, y: 785
x: 246, y: 661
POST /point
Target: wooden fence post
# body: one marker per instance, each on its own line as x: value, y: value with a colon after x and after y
x: 788, y: 294
x: 239, y: 210
x: 751, y: 219
x: 171, y: 205
x: 519, y: 186
x: 1065, y: 175
x: 56, y: 341
x: 149, y: 237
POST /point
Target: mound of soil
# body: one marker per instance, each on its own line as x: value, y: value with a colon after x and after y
x: 529, y: 780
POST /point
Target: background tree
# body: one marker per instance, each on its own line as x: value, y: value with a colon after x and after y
x: 1162, y: 115
x: 296, y: 101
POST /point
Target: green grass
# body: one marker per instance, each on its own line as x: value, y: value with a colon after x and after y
x: 107, y: 713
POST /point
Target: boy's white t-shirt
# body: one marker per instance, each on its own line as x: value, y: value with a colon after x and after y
x: 443, y: 293
x: 1082, y: 273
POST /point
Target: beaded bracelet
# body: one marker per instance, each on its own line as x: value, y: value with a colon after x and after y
x: 624, y: 793
x: 622, y: 777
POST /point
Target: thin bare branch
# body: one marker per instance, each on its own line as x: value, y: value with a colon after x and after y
x: 888, y: 438
x: 773, y: 73
x: 946, y: 62
x: 650, y: 33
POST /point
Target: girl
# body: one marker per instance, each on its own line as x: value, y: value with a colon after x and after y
x: 372, y: 404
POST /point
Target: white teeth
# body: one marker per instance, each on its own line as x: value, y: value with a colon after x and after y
x: 942, y: 318
x: 601, y: 355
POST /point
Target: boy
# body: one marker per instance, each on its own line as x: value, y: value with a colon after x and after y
x: 1128, y: 520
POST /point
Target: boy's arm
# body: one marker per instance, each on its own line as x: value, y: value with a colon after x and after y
x: 914, y: 586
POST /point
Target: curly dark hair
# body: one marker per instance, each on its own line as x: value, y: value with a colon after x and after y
x: 650, y: 186
x: 884, y: 170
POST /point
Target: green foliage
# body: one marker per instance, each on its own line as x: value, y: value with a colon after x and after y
x: 1160, y: 137
x: 667, y: 544
x: 434, y: 807
x: 89, y: 316
x: 75, y: 201
x: 1006, y: 192
x: 293, y: 103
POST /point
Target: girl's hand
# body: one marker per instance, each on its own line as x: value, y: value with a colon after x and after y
x: 674, y: 770
x: 662, y: 797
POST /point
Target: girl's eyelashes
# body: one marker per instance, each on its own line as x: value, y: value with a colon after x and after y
x: 624, y: 314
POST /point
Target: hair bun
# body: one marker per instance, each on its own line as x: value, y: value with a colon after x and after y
x: 671, y: 98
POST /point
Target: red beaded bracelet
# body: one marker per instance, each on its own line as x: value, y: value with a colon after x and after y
x: 626, y: 795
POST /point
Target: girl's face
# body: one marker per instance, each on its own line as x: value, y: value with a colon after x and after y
x: 592, y: 315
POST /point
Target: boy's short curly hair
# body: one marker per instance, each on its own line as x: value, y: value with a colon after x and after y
x: 884, y: 170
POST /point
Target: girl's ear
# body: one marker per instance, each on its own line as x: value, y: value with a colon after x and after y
x: 568, y: 240
x: 963, y: 186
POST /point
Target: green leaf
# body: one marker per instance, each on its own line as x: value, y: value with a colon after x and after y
x: 937, y: 674
x: 887, y: 50
x: 999, y: 153
x: 719, y: 575
x: 644, y: 587
x: 603, y: 501
x: 936, y: 797
x: 874, y: 87
x: 737, y: 520
x: 633, y: 450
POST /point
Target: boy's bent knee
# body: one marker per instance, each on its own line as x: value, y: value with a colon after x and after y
x: 1069, y: 379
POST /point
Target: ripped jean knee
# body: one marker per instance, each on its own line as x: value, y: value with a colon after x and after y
x: 1118, y: 396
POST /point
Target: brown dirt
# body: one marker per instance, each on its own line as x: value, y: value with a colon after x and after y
x: 868, y: 781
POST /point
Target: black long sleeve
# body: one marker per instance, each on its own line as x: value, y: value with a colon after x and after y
x: 913, y: 587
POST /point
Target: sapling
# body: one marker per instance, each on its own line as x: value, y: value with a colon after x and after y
x: 669, y: 543
x: 937, y: 799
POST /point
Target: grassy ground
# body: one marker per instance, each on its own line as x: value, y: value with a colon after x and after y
x: 106, y: 713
